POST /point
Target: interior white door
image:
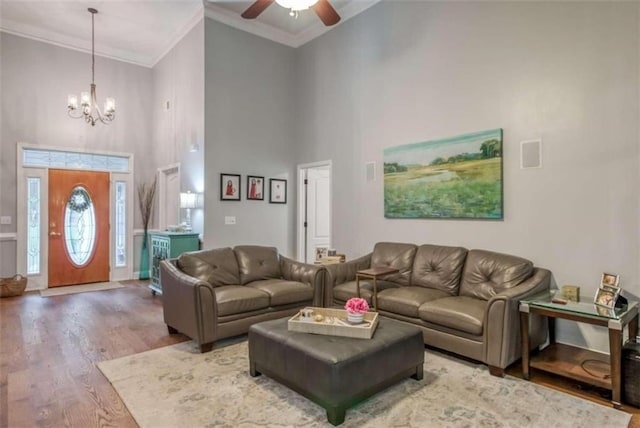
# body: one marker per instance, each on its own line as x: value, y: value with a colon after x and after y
x: 172, y: 198
x: 318, y: 210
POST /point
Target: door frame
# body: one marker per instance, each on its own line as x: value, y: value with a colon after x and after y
x: 163, y: 173
x: 41, y: 281
x: 301, y: 243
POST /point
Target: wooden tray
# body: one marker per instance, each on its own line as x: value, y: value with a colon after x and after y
x: 335, y: 324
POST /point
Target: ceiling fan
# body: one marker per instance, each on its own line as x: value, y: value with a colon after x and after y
x: 323, y: 9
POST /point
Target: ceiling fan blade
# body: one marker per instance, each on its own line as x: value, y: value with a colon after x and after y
x: 256, y: 9
x: 326, y: 12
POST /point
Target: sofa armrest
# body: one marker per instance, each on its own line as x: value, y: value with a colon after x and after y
x: 189, y: 304
x: 339, y: 273
x: 303, y: 272
x: 502, y: 343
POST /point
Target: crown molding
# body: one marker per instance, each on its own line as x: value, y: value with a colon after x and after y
x: 57, y: 39
x: 180, y: 34
x: 294, y: 40
x: 233, y: 19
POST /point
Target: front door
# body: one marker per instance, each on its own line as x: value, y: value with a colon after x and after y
x: 78, y: 227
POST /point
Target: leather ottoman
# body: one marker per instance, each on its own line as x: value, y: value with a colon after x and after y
x: 336, y: 372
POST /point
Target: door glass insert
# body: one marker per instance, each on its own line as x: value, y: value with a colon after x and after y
x: 121, y: 225
x: 79, y: 226
x: 33, y: 225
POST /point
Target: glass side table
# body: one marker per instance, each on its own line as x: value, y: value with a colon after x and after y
x: 568, y: 361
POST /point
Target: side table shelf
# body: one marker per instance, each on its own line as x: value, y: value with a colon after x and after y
x: 168, y: 245
x: 569, y: 361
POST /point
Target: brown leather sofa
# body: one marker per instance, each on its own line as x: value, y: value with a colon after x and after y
x: 212, y: 294
x: 465, y: 301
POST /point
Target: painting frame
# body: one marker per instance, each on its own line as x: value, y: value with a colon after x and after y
x: 277, y: 192
x: 230, y: 187
x: 459, y: 177
x: 610, y: 280
x: 606, y: 296
x: 255, y: 188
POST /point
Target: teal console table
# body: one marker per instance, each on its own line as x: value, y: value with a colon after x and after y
x: 168, y: 245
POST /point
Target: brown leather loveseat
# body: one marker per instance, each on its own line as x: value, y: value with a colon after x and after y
x: 465, y: 301
x: 212, y: 294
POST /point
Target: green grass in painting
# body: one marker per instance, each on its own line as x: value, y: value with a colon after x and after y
x: 470, y: 189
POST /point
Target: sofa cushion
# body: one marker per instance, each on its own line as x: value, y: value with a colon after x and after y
x: 347, y: 290
x: 487, y: 273
x: 237, y: 299
x: 440, y: 267
x: 407, y: 300
x: 217, y: 267
x: 461, y: 313
x: 255, y: 262
x: 283, y: 292
x: 396, y: 255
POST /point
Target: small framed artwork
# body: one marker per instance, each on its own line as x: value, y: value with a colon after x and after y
x: 606, y: 296
x: 321, y: 253
x: 610, y: 279
x: 255, y: 188
x: 278, y: 191
x: 230, y: 187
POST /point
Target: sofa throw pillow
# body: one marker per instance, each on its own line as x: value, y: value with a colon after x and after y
x: 487, y: 273
x: 217, y: 267
x: 255, y: 262
x: 438, y: 267
x: 396, y: 255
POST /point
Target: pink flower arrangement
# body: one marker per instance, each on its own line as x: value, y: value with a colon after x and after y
x: 356, y: 305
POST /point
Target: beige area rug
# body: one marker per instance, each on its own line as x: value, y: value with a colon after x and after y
x: 73, y: 289
x: 177, y: 386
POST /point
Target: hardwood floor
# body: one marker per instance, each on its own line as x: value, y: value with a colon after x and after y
x: 49, y: 348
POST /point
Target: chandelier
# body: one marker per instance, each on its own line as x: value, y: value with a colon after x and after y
x: 89, y: 109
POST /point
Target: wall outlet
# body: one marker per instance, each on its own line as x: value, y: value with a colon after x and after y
x: 230, y: 219
x: 5, y: 219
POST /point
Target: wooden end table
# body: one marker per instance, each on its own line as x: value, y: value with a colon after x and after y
x: 568, y: 361
x: 374, y: 274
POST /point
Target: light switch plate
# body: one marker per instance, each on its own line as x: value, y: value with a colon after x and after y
x: 230, y: 219
x: 5, y: 219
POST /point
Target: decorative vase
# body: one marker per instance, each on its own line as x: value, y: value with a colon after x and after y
x: 144, y: 258
x: 354, y: 317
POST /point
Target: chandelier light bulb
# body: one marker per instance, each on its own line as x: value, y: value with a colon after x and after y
x: 85, y: 99
x: 72, y: 101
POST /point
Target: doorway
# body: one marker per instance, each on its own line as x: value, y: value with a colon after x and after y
x: 168, y: 196
x: 314, y: 209
x: 78, y: 227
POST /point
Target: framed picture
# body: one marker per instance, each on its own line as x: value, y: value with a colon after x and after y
x: 321, y: 253
x: 230, y: 187
x: 255, y: 188
x: 610, y: 279
x: 606, y: 296
x: 278, y: 191
x: 454, y: 177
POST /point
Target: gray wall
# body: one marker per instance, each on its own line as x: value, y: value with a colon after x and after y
x: 179, y: 79
x: 35, y: 80
x: 406, y: 72
x: 249, y: 125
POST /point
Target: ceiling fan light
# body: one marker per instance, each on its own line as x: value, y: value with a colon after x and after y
x: 296, y: 5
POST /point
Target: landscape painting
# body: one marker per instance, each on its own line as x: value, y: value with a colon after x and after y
x: 457, y: 177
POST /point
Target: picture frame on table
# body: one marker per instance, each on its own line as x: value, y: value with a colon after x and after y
x: 606, y: 296
x: 610, y: 280
x: 230, y: 187
x: 255, y: 188
x: 277, y: 191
